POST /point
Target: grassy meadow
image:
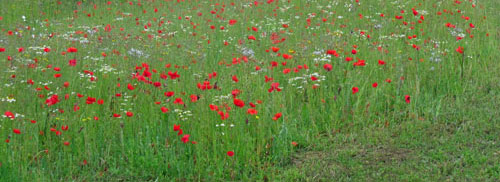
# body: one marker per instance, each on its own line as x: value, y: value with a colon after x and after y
x: 250, y: 90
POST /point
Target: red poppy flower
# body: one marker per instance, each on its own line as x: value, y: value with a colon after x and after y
x: 268, y: 78
x: 252, y: 111
x: 252, y: 104
x: 72, y: 49
x: 360, y: 62
x: 328, y: 67
x: 223, y: 115
x: 286, y: 71
x: 178, y: 101
x: 407, y: 99
x: 185, y: 138
x: 9, y: 114
x: 194, y: 98
x: 177, y: 127
x: 130, y: 87
x: 460, y: 49
x: 275, y: 49
x: 72, y: 62
x: 286, y: 56
x: 232, y: 22
x: 157, y: 84
x: 238, y: 103
x: 90, y: 100
x: 355, y: 90
x: 169, y: 94
x: 235, y: 92
x: 17, y: 131
x: 130, y: 114
x: 230, y: 153
x: 173, y: 75
x: 54, y: 99
x: 235, y: 79
x: 332, y: 52
x: 274, y: 86
x: 164, y: 109
x: 213, y: 107
x: 30, y: 82
x: 277, y: 116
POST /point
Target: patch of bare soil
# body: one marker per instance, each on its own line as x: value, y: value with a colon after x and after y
x: 324, y: 165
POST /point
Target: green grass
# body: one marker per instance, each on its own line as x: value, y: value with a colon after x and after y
x: 449, y: 131
x: 462, y: 145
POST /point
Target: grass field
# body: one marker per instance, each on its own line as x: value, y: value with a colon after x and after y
x: 250, y: 90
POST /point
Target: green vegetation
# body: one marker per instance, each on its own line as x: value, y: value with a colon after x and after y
x: 220, y: 90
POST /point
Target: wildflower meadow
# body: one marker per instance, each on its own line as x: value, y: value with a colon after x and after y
x: 249, y: 90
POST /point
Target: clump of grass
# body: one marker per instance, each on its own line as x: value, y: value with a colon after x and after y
x: 248, y: 90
